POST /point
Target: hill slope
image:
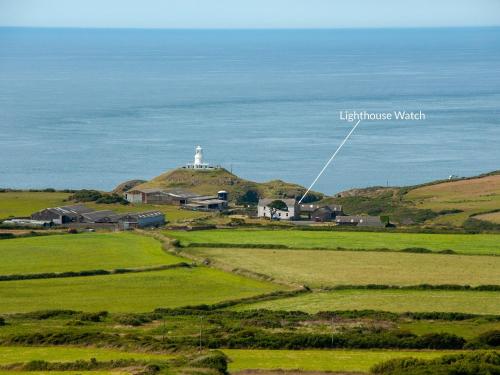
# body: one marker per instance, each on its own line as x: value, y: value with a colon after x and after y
x: 441, y: 203
x: 240, y: 190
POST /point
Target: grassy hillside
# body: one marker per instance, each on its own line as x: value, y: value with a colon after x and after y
x: 472, y: 196
x: 472, y: 302
x: 318, y: 268
x: 438, y: 203
x: 300, y: 239
x: 82, y: 252
x: 211, y: 181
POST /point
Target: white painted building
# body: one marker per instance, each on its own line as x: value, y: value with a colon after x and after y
x: 263, y: 209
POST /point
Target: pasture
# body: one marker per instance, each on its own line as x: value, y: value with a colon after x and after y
x: 318, y: 360
x: 24, y: 203
x: 317, y: 268
x: 303, y: 239
x: 137, y: 292
x: 16, y: 354
x: 387, y: 300
x: 86, y: 251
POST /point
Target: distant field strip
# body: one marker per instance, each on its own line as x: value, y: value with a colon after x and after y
x: 16, y: 354
x: 86, y: 251
x: 25, y: 203
x: 387, y: 300
x: 318, y: 360
x: 302, y: 239
x: 319, y: 268
x: 137, y: 292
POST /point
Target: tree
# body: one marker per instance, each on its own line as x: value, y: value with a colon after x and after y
x: 275, y: 206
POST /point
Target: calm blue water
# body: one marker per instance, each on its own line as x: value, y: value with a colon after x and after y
x: 92, y: 108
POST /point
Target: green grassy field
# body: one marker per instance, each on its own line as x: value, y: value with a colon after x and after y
x: 318, y: 360
x: 114, y: 372
x: 25, y: 203
x: 15, y: 354
x: 467, y: 329
x: 387, y: 300
x: 300, y: 239
x: 138, y: 292
x: 86, y: 251
x: 318, y: 268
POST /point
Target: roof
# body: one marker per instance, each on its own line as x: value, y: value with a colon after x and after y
x: 99, y: 215
x: 361, y: 220
x: 142, y: 215
x: 145, y: 190
x: 347, y: 219
x: 204, y: 197
x: 74, y: 210
x: 290, y: 202
x: 208, y: 201
x: 310, y: 207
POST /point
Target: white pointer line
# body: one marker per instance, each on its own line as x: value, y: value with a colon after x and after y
x: 329, y: 161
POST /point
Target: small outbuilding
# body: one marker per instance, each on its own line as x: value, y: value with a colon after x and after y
x: 142, y: 220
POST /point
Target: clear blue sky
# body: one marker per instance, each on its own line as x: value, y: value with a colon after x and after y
x: 249, y: 13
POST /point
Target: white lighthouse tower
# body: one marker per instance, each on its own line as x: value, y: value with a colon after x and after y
x: 198, y: 161
x: 198, y: 157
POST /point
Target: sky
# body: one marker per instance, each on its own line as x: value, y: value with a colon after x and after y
x: 249, y: 13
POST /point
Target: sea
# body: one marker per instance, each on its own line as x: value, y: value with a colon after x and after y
x: 91, y: 108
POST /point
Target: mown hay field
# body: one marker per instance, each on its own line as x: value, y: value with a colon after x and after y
x: 81, y: 252
x: 137, y: 292
x: 303, y: 239
x: 319, y: 268
x: 473, y: 302
x: 318, y: 360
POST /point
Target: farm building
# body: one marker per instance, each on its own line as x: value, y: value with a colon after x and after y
x: 182, y: 198
x: 359, y: 221
x: 103, y: 216
x: 292, y: 211
x: 142, y: 220
x: 61, y: 215
x: 318, y: 212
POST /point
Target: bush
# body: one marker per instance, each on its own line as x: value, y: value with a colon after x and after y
x: 93, y: 317
x: 133, y: 319
x: 2, y: 321
x: 215, y: 360
x: 98, y: 197
x: 476, y: 225
x: 481, y: 363
x: 489, y: 339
